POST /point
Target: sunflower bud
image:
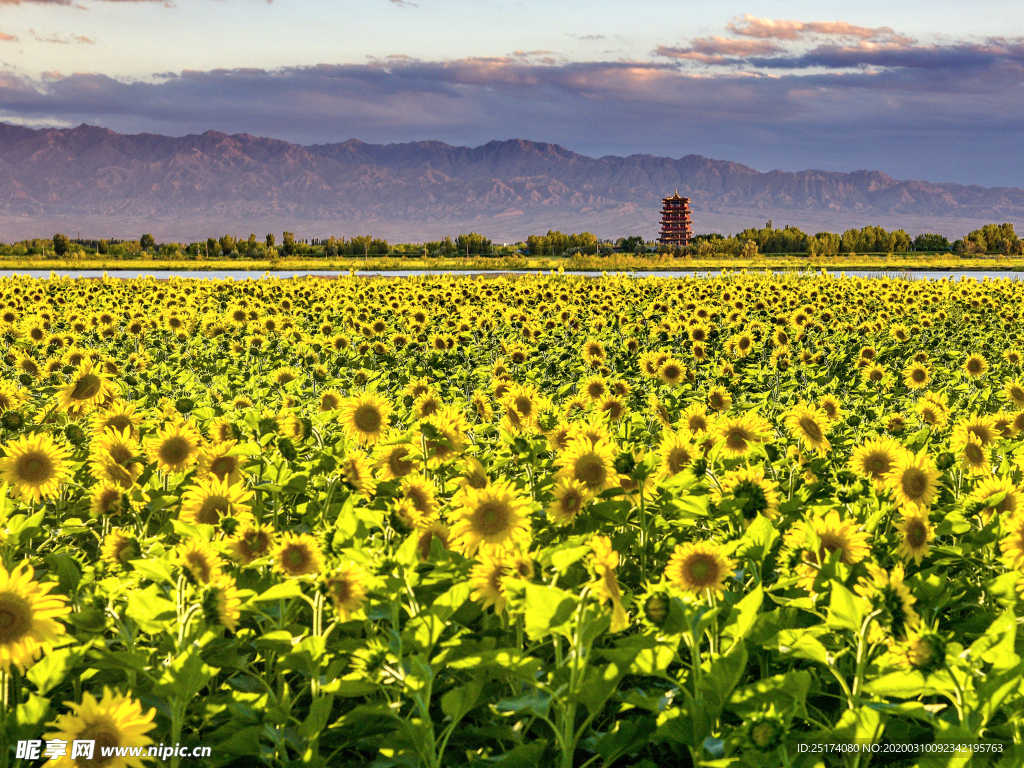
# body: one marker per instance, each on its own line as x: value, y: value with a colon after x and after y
x: 945, y: 460
x: 926, y: 652
x: 184, y: 405
x: 12, y: 421
x: 656, y: 609
x: 75, y: 435
x: 853, y: 420
x: 766, y: 731
x: 287, y: 448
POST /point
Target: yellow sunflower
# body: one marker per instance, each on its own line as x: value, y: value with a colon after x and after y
x: 975, y: 366
x: 675, y: 453
x: 486, y: 578
x: 35, y: 467
x: 1014, y: 393
x: 997, y: 495
x: 890, y: 598
x: 394, y: 461
x: 699, y: 566
x: 28, y: 617
x: 719, y: 399
x: 570, y: 497
x: 87, y: 389
x: 874, y: 459
x: 119, y: 548
x: 222, y: 604
x: 497, y: 515
x: 915, y: 535
x: 199, y: 560
x: 221, y: 461
x: 364, y: 417
x: 355, y: 470
x: 741, y: 433
x: 1012, y: 543
x: 175, y: 447
x: 251, y: 543
x: 592, y: 464
x: 916, y: 376
x: 211, y: 499
x: 753, y: 493
x: 106, y: 499
x: 114, y: 458
x: 913, y: 479
x: 115, y: 721
x: 603, y: 560
x: 346, y: 587
x: 297, y: 555
x: 809, y: 425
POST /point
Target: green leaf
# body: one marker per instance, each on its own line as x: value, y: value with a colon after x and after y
x: 758, y: 539
x: 52, y: 668
x: 319, y: 714
x: 533, y: 701
x: 997, y: 645
x: 547, y: 609
x: 458, y: 702
x: 846, y: 610
x: 282, y: 591
x: 743, y: 616
x: 715, y: 688
x: 154, y: 570
x: 862, y: 725
x: 150, y: 610
x: 185, y: 677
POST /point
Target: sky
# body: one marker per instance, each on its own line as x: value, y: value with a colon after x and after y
x: 920, y: 90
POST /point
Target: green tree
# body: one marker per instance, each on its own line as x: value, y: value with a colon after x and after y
x: 146, y: 242
x: 61, y: 244
x: 472, y: 244
x: 271, y: 240
x: 103, y: 247
x: 227, y: 245
x: 931, y: 242
x: 288, y: 243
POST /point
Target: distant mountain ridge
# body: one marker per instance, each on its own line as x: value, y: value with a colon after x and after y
x: 94, y: 174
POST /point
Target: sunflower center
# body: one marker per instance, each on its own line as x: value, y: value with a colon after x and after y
x: 919, y: 375
x: 917, y: 534
x: 876, y: 464
x: 811, y: 429
x: 590, y: 469
x: 678, y: 459
x: 15, y: 617
x: 914, y: 483
x: 736, y: 439
x: 492, y: 518
x: 87, y: 387
x: 223, y: 466
x: 106, y: 734
x: 367, y: 418
x: 399, y: 462
x: 980, y: 432
x: 212, y: 509
x: 175, y: 450
x: 34, y: 468
x: 702, y: 571
x: 697, y: 424
x: 974, y: 453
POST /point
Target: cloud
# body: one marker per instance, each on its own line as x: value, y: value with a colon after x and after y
x: 62, y: 40
x: 716, y: 50
x: 941, y: 112
x: 4, y: 37
x: 751, y: 26
x: 405, y: 4
x: 586, y: 37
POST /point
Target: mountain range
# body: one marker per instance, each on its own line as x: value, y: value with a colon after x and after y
x: 96, y: 182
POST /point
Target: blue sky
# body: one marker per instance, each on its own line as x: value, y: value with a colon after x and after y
x: 931, y: 90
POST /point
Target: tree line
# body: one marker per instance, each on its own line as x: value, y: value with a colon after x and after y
x: 989, y: 239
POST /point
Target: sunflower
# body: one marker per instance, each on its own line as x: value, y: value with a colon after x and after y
x: 28, y: 617
x: 603, y: 561
x: 915, y: 534
x: 394, y: 461
x: 977, y: 426
x: 916, y: 376
x: 835, y: 534
x: 355, y: 470
x: 421, y: 494
x: 443, y: 435
x: 997, y: 495
x: 570, y: 497
x: 119, y: 548
x: 425, y: 405
x: 106, y: 499
x: 364, y: 417
x: 114, y: 724
x: 221, y: 461
x: 1013, y: 391
x: 86, y: 390
x: 175, y: 447
x: 613, y: 407
x: 592, y: 464
x: 284, y: 375
x: 672, y: 372
x: 11, y: 397
x: 973, y: 456
x: 558, y: 436
x: 975, y: 366
x: 481, y: 404
x: 696, y: 418
x: 922, y: 650
x: 655, y: 405
x: 740, y: 433
x: 211, y: 499
x: 118, y: 416
x: 719, y: 399
x: 595, y: 387
x: 810, y: 425
x: 114, y: 458
x: 932, y: 413
x: 222, y: 604
x: 675, y: 453
x: 35, y: 467
x: 890, y: 599
x: 486, y: 579
x: 699, y: 566
x: 251, y: 543
x: 199, y: 560
x: 752, y: 493
x: 593, y: 352
x: 431, y: 531
x: 832, y: 407
x: 346, y: 587
x: 297, y: 555
x: 874, y: 459
x: 525, y: 400
x: 330, y: 400
x: 496, y: 515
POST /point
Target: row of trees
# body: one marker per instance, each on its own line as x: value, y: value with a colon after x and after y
x: 989, y: 239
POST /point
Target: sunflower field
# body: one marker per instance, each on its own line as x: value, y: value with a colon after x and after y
x: 531, y: 521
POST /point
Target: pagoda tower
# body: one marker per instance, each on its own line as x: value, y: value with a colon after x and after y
x: 675, y: 221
